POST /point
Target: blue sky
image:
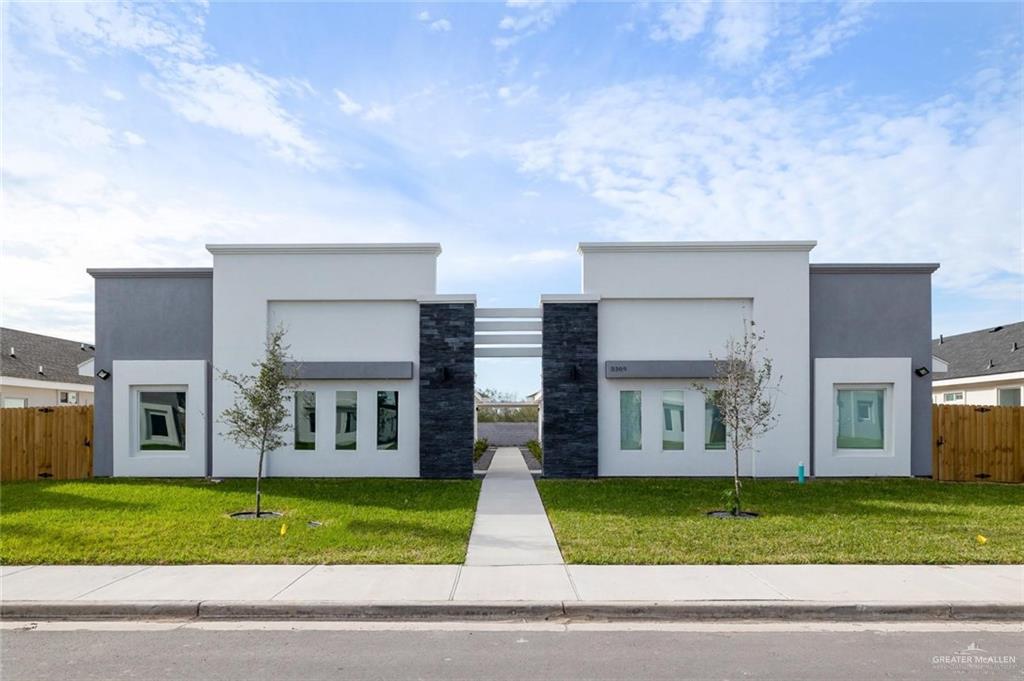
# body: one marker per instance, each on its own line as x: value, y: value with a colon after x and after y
x: 135, y: 134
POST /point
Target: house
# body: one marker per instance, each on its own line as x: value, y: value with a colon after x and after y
x: 385, y: 365
x: 43, y: 371
x: 984, y: 367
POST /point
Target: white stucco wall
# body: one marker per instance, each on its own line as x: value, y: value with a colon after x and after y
x: 338, y: 303
x: 681, y: 303
x: 890, y: 373
x: 129, y: 377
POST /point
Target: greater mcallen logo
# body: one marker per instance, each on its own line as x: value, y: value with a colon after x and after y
x: 974, y: 657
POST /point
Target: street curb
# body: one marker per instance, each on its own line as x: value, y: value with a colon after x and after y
x: 441, y: 611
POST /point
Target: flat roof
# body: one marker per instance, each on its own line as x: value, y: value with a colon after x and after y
x: 691, y: 246
x: 875, y: 268
x: 431, y: 248
x: 150, y: 272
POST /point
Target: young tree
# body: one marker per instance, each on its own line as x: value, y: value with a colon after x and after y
x: 259, y: 417
x: 744, y: 394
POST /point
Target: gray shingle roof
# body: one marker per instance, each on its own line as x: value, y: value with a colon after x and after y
x: 58, y: 357
x: 968, y: 354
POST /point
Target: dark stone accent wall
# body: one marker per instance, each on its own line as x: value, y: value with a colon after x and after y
x: 446, y: 389
x: 148, y: 318
x: 875, y: 314
x: 569, y: 368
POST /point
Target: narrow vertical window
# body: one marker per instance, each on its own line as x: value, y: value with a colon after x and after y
x: 387, y: 419
x: 629, y: 419
x: 305, y: 419
x: 345, y: 419
x: 674, y: 430
x: 714, y: 427
x: 860, y: 419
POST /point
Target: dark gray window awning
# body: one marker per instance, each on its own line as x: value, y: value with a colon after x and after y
x: 350, y: 370
x: 687, y: 368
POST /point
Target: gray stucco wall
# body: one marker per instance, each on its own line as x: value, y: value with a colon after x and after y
x: 569, y: 368
x: 147, y: 317
x: 878, y: 313
x: 446, y: 390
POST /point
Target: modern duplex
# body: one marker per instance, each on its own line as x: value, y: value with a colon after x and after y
x: 385, y: 364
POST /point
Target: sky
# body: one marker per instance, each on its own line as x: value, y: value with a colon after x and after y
x: 133, y: 135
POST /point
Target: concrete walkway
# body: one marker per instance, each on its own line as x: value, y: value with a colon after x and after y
x: 910, y: 584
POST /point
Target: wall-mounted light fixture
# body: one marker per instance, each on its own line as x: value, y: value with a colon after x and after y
x: 103, y: 374
x: 922, y: 371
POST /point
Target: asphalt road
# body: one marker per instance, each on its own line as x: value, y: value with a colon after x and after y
x: 255, y: 652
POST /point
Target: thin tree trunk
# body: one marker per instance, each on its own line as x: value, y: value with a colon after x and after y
x: 259, y: 476
x: 736, y: 477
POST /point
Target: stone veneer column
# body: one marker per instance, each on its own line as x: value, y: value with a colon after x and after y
x: 446, y: 389
x: 569, y: 368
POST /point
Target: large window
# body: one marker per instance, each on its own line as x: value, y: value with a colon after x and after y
x: 387, y: 419
x: 714, y: 427
x: 1009, y: 397
x: 629, y: 419
x: 161, y: 421
x: 345, y: 419
x: 305, y: 419
x: 860, y: 418
x: 674, y: 430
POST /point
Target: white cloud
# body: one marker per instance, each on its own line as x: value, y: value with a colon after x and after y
x: 133, y: 138
x: 528, y: 18
x: 348, y: 106
x: 742, y: 31
x: 423, y: 16
x: 680, y: 21
x: 232, y: 97
x: 239, y: 100
x: 441, y: 25
x: 379, y: 113
x: 517, y: 93
x: 933, y: 182
x: 111, y: 93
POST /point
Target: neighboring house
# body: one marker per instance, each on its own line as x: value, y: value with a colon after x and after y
x: 385, y: 365
x: 43, y: 371
x: 985, y: 367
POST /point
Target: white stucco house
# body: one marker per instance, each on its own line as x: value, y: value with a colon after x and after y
x: 385, y: 364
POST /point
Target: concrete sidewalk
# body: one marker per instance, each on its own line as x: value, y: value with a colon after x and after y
x: 622, y: 588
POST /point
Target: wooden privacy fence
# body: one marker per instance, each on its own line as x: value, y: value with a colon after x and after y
x: 42, y: 443
x: 977, y: 443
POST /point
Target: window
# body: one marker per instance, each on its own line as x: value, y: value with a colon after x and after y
x: 860, y: 421
x: 674, y: 429
x: 161, y: 421
x: 15, y: 402
x: 714, y: 427
x: 387, y: 419
x: 67, y: 397
x: 629, y: 419
x: 1009, y: 397
x: 953, y: 397
x: 345, y: 419
x: 305, y: 419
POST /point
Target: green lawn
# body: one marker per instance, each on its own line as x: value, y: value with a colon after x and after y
x: 661, y: 521
x: 186, y: 521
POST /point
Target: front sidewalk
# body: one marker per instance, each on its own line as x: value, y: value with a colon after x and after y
x: 442, y: 592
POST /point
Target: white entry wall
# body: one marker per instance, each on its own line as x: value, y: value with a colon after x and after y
x: 681, y: 301
x: 338, y: 303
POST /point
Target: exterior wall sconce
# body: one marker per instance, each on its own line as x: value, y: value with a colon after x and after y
x: 922, y: 371
x: 103, y: 374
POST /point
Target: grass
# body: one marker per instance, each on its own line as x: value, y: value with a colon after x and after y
x: 128, y: 521
x: 662, y: 521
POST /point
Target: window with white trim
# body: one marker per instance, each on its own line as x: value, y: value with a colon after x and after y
x: 305, y: 420
x: 953, y: 397
x: 860, y: 417
x: 161, y: 420
x: 630, y: 405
